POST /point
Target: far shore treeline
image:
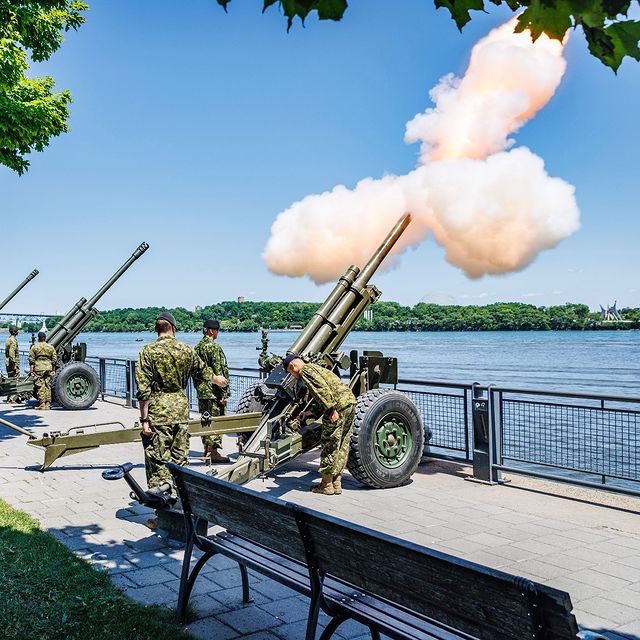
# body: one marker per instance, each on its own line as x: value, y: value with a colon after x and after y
x: 386, y: 316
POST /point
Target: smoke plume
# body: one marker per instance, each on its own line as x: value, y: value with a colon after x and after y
x: 492, y: 209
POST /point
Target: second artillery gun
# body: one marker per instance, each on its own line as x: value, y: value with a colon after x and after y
x: 76, y: 384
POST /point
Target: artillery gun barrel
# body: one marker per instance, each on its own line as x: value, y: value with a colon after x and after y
x: 329, y: 333
x: 84, y: 310
x: 19, y: 288
x: 320, y: 316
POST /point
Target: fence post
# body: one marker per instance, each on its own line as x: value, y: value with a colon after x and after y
x: 130, y: 369
x: 102, y: 369
x: 483, y: 435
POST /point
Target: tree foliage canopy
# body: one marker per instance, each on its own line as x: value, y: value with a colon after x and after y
x: 609, y: 34
x: 387, y: 316
x: 31, y: 112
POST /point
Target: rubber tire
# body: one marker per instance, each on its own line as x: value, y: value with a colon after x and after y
x: 370, y: 409
x: 248, y: 403
x: 63, y: 374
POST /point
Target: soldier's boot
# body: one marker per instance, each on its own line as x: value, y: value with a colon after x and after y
x: 325, y: 487
x: 216, y: 457
x: 337, y: 485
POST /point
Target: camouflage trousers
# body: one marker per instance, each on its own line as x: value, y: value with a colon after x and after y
x: 13, y: 373
x: 42, y: 386
x: 167, y: 443
x: 334, y: 442
x: 210, y: 405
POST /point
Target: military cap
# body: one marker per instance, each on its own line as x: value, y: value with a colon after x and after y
x: 288, y: 359
x: 41, y: 335
x: 13, y: 328
x: 165, y: 315
x: 211, y: 324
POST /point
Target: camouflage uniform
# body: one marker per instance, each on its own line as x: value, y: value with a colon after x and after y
x: 12, y: 361
x: 164, y: 369
x: 328, y: 393
x: 43, y: 358
x: 210, y: 396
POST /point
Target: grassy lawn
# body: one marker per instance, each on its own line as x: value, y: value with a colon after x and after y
x: 47, y: 593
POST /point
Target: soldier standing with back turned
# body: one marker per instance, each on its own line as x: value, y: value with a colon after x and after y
x: 42, y: 366
x: 338, y: 406
x: 12, y: 358
x: 212, y: 397
x: 164, y: 369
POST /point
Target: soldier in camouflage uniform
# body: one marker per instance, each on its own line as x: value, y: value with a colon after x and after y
x: 337, y: 403
x: 164, y: 369
x: 42, y: 366
x: 12, y: 359
x: 213, y: 396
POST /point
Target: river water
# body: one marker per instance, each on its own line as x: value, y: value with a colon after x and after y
x: 606, y: 362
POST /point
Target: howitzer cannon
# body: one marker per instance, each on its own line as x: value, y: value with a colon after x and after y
x: 18, y: 289
x: 388, y: 437
x: 76, y: 385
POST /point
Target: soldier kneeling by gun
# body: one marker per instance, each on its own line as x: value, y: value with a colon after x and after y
x: 338, y: 404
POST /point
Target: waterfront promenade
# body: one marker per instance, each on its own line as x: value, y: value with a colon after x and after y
x: 585, y: 542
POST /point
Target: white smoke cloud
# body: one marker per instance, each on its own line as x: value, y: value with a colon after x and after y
x: 492, y: 210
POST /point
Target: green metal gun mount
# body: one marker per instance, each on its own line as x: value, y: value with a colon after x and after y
x: 18, y: 289
x: 76, y: 385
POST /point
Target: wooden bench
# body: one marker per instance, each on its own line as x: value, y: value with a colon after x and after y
x: 392, y: 586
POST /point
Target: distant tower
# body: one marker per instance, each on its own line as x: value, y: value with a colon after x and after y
x: 241, y: 299
x: 43, y: 328
x: 368, y: 315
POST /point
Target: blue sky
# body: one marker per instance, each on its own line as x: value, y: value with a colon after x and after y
x: 192, y: 130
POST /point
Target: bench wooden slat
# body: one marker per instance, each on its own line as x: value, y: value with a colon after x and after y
x: 258, y: 518
x: 478, y: 600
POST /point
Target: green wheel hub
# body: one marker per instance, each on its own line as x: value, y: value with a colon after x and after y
x: 78, y: 387
x: 392, y: 440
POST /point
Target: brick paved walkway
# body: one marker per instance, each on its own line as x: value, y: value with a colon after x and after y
x: 583, y: 541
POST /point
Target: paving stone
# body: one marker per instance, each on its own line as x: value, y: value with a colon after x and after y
x: 618, y: 570
x: 201, y: 586
x: 561, y: 559
x: 537, y: 568
x: 273, y: 590
x: 232, y: 596
x: 515, y: 554
x: 626, y: 597
x: 631, y: 629
x: 204, y: 606
x: 157, y: 594
x: 249, y: 620
x: 226, y: 578
x: 577, y: 590
x: 609, y: 609
x: 288, y: 610
x: 211, y: 629
x: 602, y: 580
x: 149, y: 559
x: 150, y: 575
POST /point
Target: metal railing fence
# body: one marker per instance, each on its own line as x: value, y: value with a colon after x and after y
x: 586, y: 439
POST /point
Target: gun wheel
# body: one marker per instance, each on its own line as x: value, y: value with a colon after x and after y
x: 388, y: 439
x: 76, y: 386
x: 249, y: 403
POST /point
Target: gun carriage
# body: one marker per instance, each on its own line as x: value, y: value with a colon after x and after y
x: 76, y: 384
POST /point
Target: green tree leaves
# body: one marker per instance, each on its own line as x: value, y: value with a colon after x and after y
x: 327, y: 9
x: 610, y: 37
x: 31, y: 112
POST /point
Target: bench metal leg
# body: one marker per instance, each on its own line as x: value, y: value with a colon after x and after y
x: 246, y: 596
x: 312, y: 620
x: 187, y: 580
x: 330, y: 629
